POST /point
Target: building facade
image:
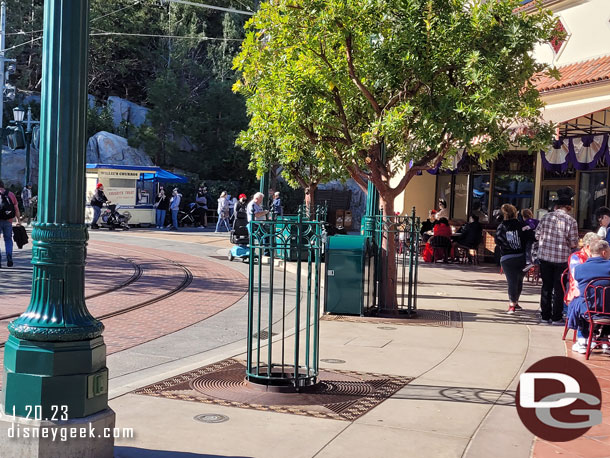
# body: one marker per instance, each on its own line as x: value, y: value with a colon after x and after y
x: 579, y: 157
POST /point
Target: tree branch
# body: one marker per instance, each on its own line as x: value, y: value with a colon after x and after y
x: 355, y: 79
x: 422, y: 164
x: 342, y: 115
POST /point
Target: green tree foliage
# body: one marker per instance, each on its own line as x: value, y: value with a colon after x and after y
x: 175, y: 59
x: 24, y: 33
x: 426, y: 77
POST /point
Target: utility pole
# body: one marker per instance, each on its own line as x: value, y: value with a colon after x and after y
x: 3, y: 77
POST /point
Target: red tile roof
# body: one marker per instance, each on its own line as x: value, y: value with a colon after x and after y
x: 590, y: 71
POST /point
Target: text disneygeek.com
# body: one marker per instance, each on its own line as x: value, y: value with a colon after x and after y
x: 65, y: 433
x: 57, y: 432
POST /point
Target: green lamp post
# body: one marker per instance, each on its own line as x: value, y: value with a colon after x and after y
x: 55, y: 355
x: 372, y: 204
x: 264, y: 187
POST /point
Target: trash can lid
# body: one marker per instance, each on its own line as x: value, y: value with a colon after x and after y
x: 348, y: 242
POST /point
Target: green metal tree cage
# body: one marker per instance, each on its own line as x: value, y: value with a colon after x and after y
x: 284, y: 307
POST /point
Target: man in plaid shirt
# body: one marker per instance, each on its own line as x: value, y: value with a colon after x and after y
x: 557, y: 235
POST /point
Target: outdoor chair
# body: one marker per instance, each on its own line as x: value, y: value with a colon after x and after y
x: 597, y: 298
x: 465, y: 254
x: 565, y: 279
x: 533, y: 275
x: 441, y: 247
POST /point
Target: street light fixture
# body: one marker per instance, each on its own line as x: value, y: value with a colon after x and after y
x: 19, y: 120
x: 18, y: 114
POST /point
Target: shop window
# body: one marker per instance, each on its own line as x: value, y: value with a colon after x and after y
x: 443, y: 190
x: 460, y: 198
x: 515, y: 162
x: 480, y: 197
x: 145, y: 193
x: 592, y: 194
x: 515, y: 189
x: 549, y: 198
x: 569, y: 174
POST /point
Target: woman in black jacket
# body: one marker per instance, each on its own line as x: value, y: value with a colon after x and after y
x: 511, y: 238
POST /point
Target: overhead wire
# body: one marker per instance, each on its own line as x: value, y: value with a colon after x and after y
x: 97, y: 34
x: 116, y: 11
x: 137, y: 2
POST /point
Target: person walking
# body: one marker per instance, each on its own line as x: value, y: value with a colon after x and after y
x: 511, y: 238
x: 174, y: 206
x: 557, y: 235
x: 202, y: 206
x: 97, y: 202
x: 276, y: 206
x: 162, y: 205
x: 223, y: 212
x: 26, y: 198
x: 9, y: 212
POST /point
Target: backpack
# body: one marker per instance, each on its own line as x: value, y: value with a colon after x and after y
x: 7, y: 208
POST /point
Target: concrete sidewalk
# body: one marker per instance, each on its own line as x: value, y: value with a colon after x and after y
x: 459, y: 404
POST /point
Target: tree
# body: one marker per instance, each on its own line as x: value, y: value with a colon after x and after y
x: 294, y: 155
x: 425, y: 77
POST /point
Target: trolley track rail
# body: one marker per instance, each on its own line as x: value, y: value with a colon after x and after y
x: 186, y: 281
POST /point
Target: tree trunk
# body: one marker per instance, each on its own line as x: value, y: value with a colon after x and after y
x: 388, y: 302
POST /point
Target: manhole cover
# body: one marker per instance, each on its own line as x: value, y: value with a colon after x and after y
x: 386, y: 328
x: 333, y: 361
x: 264, y: 335
x: 211, y: 418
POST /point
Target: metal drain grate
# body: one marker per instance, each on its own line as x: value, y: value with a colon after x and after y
x: 340, y: 395
x: 386, y: 328
x: 440, y: 318
x: 211, y: 418
x: 264, y: 335
x: 333, y: 361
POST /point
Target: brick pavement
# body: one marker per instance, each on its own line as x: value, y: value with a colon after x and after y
x: 214, y: 287
x: 108, y: 270
x: 596, y: 442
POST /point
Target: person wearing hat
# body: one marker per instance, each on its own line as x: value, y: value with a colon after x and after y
x: 97, y: 202
x: 557, y: 236
x: 239, y: 211
x: 443, y: 211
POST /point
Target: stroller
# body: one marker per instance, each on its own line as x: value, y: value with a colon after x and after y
x: 112, y: 219
x: 190, y: 217
x: 240, y: 237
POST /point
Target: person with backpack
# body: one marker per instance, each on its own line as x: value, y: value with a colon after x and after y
x: 9, y: 212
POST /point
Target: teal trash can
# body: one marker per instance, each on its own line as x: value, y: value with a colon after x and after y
x: 288, y: 239
x: 350, y: 275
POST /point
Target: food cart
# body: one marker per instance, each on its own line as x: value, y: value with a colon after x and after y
x: 131, y: 187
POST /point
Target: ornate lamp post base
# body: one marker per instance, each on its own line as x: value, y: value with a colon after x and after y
x: 60, y: 380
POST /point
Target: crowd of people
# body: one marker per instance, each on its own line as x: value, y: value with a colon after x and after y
x: 437, y: 234
x: 566, y: 271
x: 229, y: 210
x: 551, y: 244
